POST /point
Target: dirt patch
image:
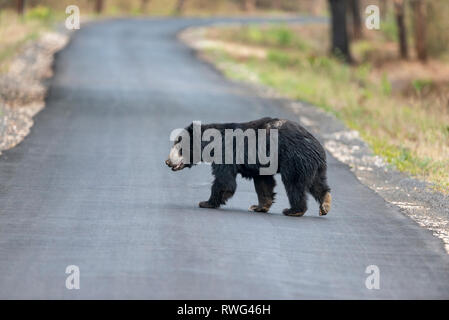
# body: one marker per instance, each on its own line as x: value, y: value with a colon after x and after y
x: 22, y: 88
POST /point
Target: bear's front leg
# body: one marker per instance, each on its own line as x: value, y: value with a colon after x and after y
x: 223, y: 188
x: 264, y: 187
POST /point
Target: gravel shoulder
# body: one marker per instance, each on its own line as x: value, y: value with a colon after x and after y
x: 416, y: 199
x: 23, y: 87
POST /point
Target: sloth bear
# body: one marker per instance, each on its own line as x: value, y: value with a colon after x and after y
x: 299, y: 157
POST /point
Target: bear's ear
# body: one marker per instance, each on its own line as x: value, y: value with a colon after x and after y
x: 190, y: 129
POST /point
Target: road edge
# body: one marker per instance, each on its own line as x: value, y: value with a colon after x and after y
x: 24, y: 87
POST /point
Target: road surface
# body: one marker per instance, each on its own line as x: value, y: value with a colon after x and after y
x: 89, y: 187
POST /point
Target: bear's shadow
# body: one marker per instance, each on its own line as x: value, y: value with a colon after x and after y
x: 273, y: 214
x: 312, y: 213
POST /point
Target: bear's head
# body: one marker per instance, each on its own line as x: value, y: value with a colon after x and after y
x: 180, y: 155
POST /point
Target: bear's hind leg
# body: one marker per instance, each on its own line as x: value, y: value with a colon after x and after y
x: 223, y: 188
x: 264, y: 187
x: 321, y: 192
x: 296, y: 193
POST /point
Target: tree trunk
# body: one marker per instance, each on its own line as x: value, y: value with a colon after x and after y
x: 383, y: 8
x: 98, y: 6
x: 277, y: 4
x: 402, y: 31
x: 250, y: 5
x: 179, y: 6
x: 20, y: 7
x: 340, y: 40
x: 419, y: 26
x: 144, y: 6
x: 354, y: 10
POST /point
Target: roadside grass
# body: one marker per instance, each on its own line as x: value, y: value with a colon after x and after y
x: 16, y: 31
x: 410, y: 131
x: 197, y: 8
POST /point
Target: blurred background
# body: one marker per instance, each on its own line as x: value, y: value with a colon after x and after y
x: 391, y: 84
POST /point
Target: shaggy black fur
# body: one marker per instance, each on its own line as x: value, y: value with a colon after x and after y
x: 301, y: 163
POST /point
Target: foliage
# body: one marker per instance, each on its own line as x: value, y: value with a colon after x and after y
x: 41, y: 13
x: 437, y: 29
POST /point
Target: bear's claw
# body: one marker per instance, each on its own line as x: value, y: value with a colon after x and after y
x: 257, y: 208
x: 325, y: 207
x: 206, y: 204
x: 292, y: 213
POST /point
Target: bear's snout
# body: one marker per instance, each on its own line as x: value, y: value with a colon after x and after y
x: 174, y: 167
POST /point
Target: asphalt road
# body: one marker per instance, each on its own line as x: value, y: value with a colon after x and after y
x: 89, y: 187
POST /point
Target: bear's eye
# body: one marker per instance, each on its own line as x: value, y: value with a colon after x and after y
x: 178, y: 140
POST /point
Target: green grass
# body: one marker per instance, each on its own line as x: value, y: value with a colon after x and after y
x: 9, y: 51
x: 420, y: 84
x: 16, y: 31
x: 389, y: 27
x: 40, y: 13
x: 277, y: 36
x: 412, y: 139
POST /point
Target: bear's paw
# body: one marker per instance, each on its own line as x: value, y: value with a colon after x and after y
x: 325, y: 207
x: 206, y: 204
x: 257, y: 208
x: 293, y: 213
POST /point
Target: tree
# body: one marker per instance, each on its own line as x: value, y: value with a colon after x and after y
x: 340, y: 40
x: 354, y: 11
x: 144, y: 5
x: 250, y: 5
x: 419, y: 26
x: 98, y: 6
x: 20, y: 7
x: 383, y: 8
x: 402, y: 31
x: 179, y: 6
